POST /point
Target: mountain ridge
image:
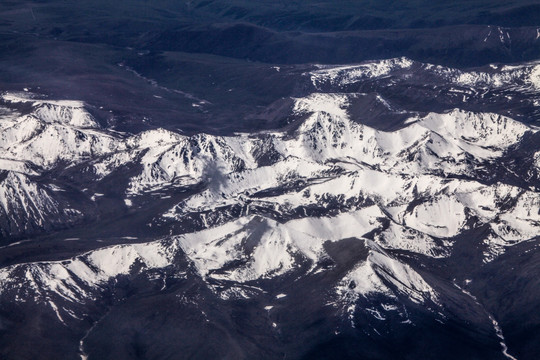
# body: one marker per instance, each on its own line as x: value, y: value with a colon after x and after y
x: 376, y: 215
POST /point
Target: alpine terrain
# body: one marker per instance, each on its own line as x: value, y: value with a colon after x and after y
x: 214, y: 190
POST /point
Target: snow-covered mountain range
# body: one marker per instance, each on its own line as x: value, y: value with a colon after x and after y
x: 370, y: 211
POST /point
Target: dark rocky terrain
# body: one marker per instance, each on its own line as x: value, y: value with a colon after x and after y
x: 270, y: 180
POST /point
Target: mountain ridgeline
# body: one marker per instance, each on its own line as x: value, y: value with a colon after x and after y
x: 373, y: 223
